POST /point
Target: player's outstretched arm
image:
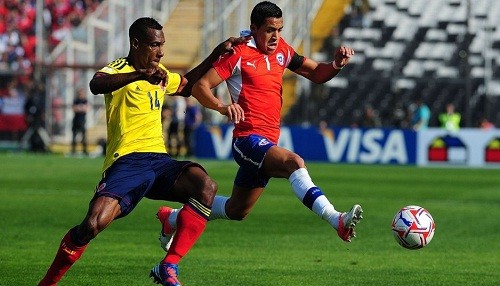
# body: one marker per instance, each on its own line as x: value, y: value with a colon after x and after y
x: 323, y: 72
x: 103, y: 83
x: 195, y: 74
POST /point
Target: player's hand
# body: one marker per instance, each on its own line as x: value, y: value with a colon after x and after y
x: 227, y: 45
x: 343, y: 55
x: 154, y: 76
x: 234, y: 112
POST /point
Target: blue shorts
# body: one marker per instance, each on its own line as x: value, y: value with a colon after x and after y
x: 138, y: 175
x: 249, y: 153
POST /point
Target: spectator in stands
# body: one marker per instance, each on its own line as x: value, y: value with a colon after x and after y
x: 192, y: 120
x: 355, y: 15
x: 399, y: 116
x: 370, y: 118
x: 80, y: 108
x: 420, y: 115
x: 17, y: 28
x: 64, y: 15
x: 332, y: 42
x: 57, y: 115
x: 174, y: 140
x: 485, y: 124
x: 12, y: 100
x: 450, y: 120
x: 34, y: 108
x: 166, y: 115
x: 324, y: 129
x: 15, y: 99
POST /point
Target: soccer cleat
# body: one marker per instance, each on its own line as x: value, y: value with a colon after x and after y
x: 347, y: 222
x: 167, y: 232
x: 165, y: 274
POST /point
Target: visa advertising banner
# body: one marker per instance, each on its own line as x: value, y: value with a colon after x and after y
x: 432, y: 147
x: 346, y: 145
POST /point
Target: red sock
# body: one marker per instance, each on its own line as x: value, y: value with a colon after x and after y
x: 67, y: 254
x: 191, y: 223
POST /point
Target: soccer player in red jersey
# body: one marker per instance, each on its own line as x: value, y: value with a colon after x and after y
x: 137, y: 164
x: 254, y: 77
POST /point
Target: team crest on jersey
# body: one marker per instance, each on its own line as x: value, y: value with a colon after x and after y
x: 263, y: 142
x: 280, y: 58
x: 100, y: 187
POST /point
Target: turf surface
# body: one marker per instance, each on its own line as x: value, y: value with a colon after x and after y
x: 280, y: 243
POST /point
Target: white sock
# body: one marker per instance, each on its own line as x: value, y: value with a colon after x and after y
x: 219, y: 208
x: 218, y: 211
x: 312, y: 197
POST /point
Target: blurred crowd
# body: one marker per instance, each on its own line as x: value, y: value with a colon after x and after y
x: 21, y: 98
x: 18, y: 25
x: 18, y: 43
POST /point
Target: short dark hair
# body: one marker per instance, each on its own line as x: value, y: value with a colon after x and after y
x: 264, y: 10
x: 139, y: 28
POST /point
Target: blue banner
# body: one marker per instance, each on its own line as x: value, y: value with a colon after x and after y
x: 343, y: 145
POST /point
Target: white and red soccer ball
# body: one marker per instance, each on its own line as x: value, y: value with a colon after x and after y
x: 413, y: 227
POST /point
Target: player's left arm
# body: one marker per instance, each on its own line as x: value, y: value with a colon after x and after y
x: 321, y: 72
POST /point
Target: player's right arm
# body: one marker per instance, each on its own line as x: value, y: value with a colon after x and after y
x: 202, y: 91
x: 195, y: 74
x: 103, y: 83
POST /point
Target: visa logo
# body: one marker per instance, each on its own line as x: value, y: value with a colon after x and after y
x: 369, y: 146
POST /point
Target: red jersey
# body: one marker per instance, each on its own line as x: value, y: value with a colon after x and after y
x: 254, y: 80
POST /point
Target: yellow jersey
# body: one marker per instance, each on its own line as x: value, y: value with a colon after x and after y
x: 133, y: 114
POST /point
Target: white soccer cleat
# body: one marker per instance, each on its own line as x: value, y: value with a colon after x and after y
x: 167, y: 232
x: 166, y: 240
x: 348, y: 221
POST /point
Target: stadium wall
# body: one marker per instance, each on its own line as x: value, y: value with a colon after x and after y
x: 432, y: 147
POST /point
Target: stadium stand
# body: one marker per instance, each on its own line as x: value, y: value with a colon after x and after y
x: 407, y: 49
x: 18, y: 51
x: 404, y: 49
x: 17, y: 28
x: 68, y: 41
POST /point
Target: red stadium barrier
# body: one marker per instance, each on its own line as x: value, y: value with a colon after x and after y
x: 12, y: 123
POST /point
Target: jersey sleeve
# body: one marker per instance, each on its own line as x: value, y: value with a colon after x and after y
x: 114, y: 66
x: 296, y: 61
x: 174, y: 81
x: 226, y: 64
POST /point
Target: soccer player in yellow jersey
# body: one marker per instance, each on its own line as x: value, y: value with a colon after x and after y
x: 137, y: 164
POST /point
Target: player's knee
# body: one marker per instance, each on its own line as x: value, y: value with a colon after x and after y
x: 294, y: 162
x: 93, y: 227
x: 87, y: 231
x: 208, y: 191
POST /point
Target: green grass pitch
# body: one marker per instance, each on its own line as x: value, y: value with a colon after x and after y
x: 280, y: 243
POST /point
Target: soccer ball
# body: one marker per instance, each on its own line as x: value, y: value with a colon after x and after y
x: 413, y: 227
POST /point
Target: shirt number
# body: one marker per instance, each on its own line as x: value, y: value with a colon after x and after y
x: 154, y: 102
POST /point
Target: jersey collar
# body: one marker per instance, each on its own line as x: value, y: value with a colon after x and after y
x: 252, y: 43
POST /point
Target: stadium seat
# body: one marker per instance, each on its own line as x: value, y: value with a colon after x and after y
x: 416, y: 48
